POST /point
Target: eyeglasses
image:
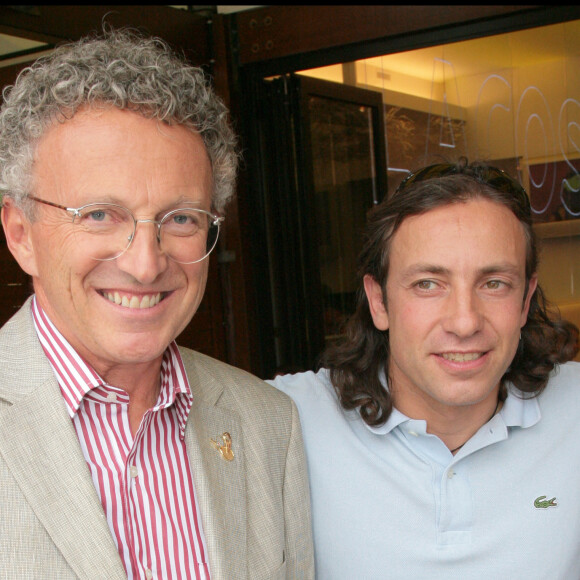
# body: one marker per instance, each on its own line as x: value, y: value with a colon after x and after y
x: 186, y: 235
x: 492, y: 176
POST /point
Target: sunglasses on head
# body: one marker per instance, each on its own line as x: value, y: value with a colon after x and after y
x: 492, y: 176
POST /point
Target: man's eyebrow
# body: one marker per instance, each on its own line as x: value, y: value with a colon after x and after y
x: 180, y: 202
x: 499, y: 268
x: 424, y: 268
x: 502, y: 268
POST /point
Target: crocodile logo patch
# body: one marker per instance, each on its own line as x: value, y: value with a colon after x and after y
x: 542, y: 503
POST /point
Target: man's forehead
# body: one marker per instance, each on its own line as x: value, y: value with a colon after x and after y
x: 478, y: 207
x: 479, y: 233
x: 111, y: 153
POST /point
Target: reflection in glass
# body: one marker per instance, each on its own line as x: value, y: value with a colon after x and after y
x: 512, y: 99
x: 344, y: 189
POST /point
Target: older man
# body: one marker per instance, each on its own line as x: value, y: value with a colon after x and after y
x: 441, y: 443
x: 122, y: 455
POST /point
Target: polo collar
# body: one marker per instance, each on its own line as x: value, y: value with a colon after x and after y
x: 518, y: 410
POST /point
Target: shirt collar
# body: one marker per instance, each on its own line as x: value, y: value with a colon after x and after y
x: 518, y: 410
x: 76, y: 377
x: 395, y: 419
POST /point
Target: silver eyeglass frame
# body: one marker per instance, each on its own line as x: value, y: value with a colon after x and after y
x: 76, y: 212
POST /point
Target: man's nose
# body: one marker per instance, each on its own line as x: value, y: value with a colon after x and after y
x: 463, y: 316
x: 144, y: 259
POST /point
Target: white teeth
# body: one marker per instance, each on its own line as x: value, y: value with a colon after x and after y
x: 147, y: 301
x: 461, y: 357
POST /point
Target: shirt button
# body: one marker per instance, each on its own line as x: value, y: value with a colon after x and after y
x: 148, y: 574
x: 112, y: 397
x: 134, y: 471
x: 450, y: 474
x: 414, y: 433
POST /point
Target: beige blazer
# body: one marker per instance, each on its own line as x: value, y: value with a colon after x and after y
x: 255, y: 509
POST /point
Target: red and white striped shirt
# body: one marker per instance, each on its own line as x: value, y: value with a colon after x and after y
x: 144, y: 483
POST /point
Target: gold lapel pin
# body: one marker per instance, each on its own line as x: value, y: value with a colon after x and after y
x: 224, y: 448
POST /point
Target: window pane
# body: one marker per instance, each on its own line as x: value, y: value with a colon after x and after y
x: 344, y: 188
x: 511, y: 99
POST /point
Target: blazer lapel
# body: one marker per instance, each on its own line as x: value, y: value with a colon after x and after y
x: 220, y: 485
x: 40, y: 447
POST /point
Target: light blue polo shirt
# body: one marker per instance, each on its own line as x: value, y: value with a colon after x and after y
x: 393, y: 502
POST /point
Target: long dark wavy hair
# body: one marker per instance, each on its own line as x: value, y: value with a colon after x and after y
x: 357, y: 361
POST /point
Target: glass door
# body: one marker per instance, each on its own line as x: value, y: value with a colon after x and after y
x: 322, y: 169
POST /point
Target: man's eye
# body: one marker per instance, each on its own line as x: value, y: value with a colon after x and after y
x: 494, y: 284
x: 104, y: 216
x: 184, y: 223
x: 97, y: 216
x: 425, y: 285
x: 182, y: 219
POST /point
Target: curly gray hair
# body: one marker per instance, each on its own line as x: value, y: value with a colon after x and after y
x: 120, y: 69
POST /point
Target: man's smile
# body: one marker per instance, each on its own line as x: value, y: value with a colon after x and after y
x: 133, y: 300
x: 461, y: 356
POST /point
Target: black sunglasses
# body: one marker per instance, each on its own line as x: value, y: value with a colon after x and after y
x: 492, y: 176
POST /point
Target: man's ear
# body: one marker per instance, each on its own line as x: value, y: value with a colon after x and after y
x: 532, y: 285
x: 17, y: 229
x: 377, y: 307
